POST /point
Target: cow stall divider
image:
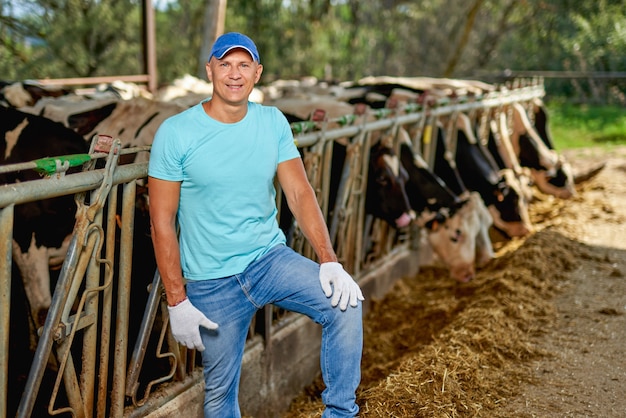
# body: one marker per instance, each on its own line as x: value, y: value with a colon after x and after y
x: 96, y: 356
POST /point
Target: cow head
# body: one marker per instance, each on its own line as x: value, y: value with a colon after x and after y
x: 559, y: 181
x: 456, y: 225
x: 509, y: 208
x: 386, y: 195
x: 461, y: 237
x: 551, y: 174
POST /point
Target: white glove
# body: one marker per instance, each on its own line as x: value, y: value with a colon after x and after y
x: 185, y: 322
x: 344, y: 289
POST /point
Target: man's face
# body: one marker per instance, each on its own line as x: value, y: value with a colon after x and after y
x: 233, y: 76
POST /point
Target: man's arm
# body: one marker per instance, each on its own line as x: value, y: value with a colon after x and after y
x: 305, y: 208
x: 335, y: 281
x: 164, y: 196
x: 185, y: 319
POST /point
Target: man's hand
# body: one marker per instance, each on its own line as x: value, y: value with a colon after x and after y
x: 185, y: 322
x: 344, y: 289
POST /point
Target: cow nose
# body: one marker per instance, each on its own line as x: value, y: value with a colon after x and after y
x: 404, y: 220
x: 465, y: 278
x: 463, y: 274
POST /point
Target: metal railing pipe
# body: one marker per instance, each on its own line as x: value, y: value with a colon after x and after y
x: 491, y: 100
x: 17, y: 193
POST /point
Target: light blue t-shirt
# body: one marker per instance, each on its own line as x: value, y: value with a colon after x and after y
x: 227, y: 208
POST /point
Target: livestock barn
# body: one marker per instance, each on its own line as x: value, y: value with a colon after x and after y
x: 411, y: 174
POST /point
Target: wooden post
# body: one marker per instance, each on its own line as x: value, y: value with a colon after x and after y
x: 214, y: 18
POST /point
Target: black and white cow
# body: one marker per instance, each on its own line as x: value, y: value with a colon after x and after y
x: 18, y: 94
x: 42, y: 228
x: 386, y: 197
x: 134, y: 121
x: 550, y: 172
x: 456, y: 225
x: 499, y: 188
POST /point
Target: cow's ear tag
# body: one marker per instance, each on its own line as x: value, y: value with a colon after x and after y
x: 319, y: 115
x: 103, y: 143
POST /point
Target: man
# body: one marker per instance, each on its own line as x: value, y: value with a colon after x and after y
x: 212, y: 169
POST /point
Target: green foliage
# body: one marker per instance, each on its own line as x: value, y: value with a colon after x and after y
x: 79, y: 38
x: 562, y: 35
x: 329, y: 39
x: 578, y: 126
x: 178, y: 38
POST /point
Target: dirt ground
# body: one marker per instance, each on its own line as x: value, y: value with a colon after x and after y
x: 585, y: 373
x: 540, y: 332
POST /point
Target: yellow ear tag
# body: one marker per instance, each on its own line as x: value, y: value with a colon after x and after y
x: 428, y: 133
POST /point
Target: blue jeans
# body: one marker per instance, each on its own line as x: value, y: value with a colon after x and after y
x: 291, y: 281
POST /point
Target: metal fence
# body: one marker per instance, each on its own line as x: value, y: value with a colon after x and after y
x: 96, y: 356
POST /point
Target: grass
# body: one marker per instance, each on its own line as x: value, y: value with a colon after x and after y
x: 580, y: 126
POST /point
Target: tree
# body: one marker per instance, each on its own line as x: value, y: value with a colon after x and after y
x: 464, y: 39
x: 328, y: 39
x: 214, y: 16
x: 78, y: 38
x: 179, y: 28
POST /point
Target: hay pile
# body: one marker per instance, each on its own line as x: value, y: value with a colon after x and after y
x: 435, y: 348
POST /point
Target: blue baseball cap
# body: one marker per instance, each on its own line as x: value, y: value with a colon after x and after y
x: 232, y: 40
